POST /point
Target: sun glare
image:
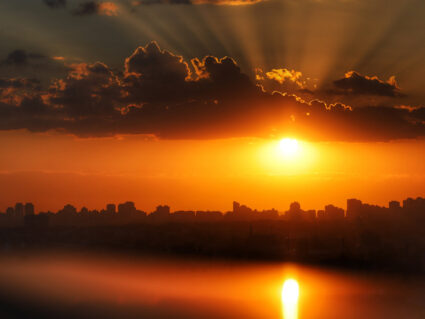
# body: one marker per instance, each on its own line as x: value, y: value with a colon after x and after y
x: 290, y: 294
x: 287, y: 156
x: 290, y: 291
x: 288, y: 147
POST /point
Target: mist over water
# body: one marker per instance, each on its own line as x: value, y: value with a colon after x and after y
x: 100, y: 286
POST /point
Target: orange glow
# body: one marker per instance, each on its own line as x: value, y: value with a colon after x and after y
x: 290, y: 294
x: 227, y: 2
x: 108, y: 8
x: 287, y: 156
x: 288, y: 147
x: 239, y: 291
x: 184, y: 174
x: 290, y: 291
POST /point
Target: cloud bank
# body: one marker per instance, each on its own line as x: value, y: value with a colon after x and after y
x: 159, y: 93
x: 96, y: 8
x: 55, y: 4
x: 196, y: 2
x: 355, y: 83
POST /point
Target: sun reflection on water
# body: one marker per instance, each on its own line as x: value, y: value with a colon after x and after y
x: 290, y: 294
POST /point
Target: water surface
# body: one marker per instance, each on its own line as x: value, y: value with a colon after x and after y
x: 71, y: 286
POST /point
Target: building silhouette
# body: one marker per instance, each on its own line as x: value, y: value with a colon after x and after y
x: 127, y: 213
x: 126, y: 209
x: 10, y: 212
x: 19, y: 210
x: 29, y: 209
x: 354, y: 208
x: 295, y: 212
x: 394, y: 205
x: 111, y: 209
x: 334, y: 213
x: 162, y: 212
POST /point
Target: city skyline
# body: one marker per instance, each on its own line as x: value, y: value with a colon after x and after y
x: 212, y: 159
x: 127, y: 208
x: 158, y: 102
x: 360, y: 237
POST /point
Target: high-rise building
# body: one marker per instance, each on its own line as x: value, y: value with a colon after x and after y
x: 68, y: 210
x: 310, y: 215
x: 295, y: 206
x: 333, y: 213
x: 414, y: 205
x: 111, y: 209
x: 394, y: 205
x: 127, y: 209
x: 408, y: 203
x: 321, y: 214
x: 162, y: 210
x: 10, y: 212
x: 294, y: 212
x: 236, y: 207
x: 19, y: 210
x: 354, y: 208
x: 29, y: 209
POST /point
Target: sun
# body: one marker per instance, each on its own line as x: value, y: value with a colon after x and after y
x: 287, y: 156
x: 288, y: 147
x: 290, y: 295
x: 290, y: 291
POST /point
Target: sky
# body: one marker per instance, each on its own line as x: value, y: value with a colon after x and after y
x: 186, y: 102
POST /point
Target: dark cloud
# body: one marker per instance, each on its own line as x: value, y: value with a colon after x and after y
x: 152, y: 74
x: 25, y: 64
x: 96, y: 8
x: 55, y: 4
x: 13, y: 92
x: 354, y: 89
x: 153, y: 2
x: 87, y: 8
x: 18, y: 83
x: 156, y: 64
x: 21, y: 57
x: 284, y: 80
x: 196, y: 2
x: 160, y: 94
x: 357, y: 84
x: 90, y: 90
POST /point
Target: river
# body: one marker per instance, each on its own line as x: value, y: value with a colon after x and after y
x: 102, y: 286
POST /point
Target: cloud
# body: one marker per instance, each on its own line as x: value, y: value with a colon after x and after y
x: 55, y: 4
x: 18, y: 83
x: 96, y: 8
x: 197, y: 2
x: 25, y: 64
x: 21, y: 58
x: 12, y: 90
x: 158, y: 93
x: 357, y: 84
x: 155, y: 64
x: 354, y: 89
x: 90, y: 90
x: 284, y: 80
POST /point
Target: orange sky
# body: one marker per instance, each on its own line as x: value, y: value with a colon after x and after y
x: 51, y: 170
x: 208, y: 90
